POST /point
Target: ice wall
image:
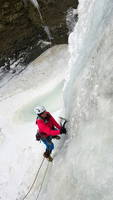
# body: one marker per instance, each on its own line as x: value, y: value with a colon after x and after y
x: 88, y: 98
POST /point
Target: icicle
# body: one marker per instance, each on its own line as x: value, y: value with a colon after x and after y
x: 46, y: 28
x: 35, y: 3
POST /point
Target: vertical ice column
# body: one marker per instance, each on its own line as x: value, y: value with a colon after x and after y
x: 35, y: 3
x: 46, y: 28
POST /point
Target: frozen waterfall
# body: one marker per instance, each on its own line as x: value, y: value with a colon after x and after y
x: 82, y: 168
x: 89, y: 105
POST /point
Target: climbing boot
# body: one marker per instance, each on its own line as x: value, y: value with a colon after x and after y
x: 46, y: 154
x: 50, y: 159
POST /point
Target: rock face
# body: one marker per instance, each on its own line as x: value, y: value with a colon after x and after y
x: 22, y: 29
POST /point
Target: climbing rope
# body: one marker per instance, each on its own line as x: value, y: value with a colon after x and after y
x: 42, y: 181
x: 34, y: 180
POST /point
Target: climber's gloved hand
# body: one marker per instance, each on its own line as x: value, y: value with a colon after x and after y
x: 63, y: 130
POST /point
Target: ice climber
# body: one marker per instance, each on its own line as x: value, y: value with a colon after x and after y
x: 48, y: 129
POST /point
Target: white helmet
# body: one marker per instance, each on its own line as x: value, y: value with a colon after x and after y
x: 39, y: 109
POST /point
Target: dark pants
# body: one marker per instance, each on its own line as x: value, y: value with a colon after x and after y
x: 49, y: 144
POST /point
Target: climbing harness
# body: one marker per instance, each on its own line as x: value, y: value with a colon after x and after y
x: 34, y: 180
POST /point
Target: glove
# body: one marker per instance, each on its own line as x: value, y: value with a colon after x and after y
x: 38, y: 137
x: 63, y: 130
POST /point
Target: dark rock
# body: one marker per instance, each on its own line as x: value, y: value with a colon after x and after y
x: 22, y: 31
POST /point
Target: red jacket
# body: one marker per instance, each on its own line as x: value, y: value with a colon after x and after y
x: 46, y: 126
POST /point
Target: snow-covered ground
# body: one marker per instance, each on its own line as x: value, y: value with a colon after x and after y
x: 20, y: 155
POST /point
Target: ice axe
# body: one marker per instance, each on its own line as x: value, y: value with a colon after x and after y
x: 63, y: 123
